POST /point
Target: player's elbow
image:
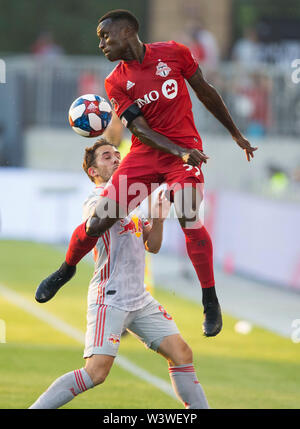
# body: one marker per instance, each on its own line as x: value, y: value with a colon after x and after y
x: 152, y: 247
x: 155, y: 251
x: 141, y: 130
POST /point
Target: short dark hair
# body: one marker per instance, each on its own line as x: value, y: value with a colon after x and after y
x: 119, y: 14
x: 90, y: 155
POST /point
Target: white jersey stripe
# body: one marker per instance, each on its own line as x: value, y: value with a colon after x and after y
x: 104, y: 272
x: 102, y: 291
x: 102, y: 335
x: 118, y: 248
x: 99, y: 287
x: 98, y: 325
x: 101, y: 326
x: 96, y: 330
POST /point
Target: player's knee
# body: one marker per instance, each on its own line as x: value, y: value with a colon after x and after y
x: 98, y: 368
x: 92, y: 226
x: 99, y: 378
x: 185, y: 354
x: 97, y: 374
x: 176, y: 351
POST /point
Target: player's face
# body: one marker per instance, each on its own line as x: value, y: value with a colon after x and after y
x: 113, y: 39
x: 107, y: 161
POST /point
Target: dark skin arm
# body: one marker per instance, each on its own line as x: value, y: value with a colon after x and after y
x: 207, y: 94
x: 140, y: 128
x: 211, y: 99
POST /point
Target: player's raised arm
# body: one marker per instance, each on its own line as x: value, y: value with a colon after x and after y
x: 153, y: 234
x: 212, y: 100
x: 140, y: 128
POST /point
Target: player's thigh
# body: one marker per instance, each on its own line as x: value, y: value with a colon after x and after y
x: 189, y: 205
x: 176, y: 350
x: 186, y: 190
x: 133, y: 181
x: 105, y: 325
x: 152, y: 324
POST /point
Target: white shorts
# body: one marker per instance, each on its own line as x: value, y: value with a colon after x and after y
x: 105, y: 325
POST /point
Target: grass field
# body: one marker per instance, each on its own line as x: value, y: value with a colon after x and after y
x: 258, y: 370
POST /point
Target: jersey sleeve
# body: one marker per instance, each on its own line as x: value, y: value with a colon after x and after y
x: 120, y: 101
x: 88, y: 207
x: 187, y: 62
x: 146, y: 222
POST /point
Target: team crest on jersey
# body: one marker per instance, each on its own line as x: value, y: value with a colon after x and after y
x: 133, y: 226
x: 114, y: 104
x: 114, y: 339
x: 162, y: 69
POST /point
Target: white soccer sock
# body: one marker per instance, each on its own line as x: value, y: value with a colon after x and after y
x: 187, y: 387
x: 64, y: 389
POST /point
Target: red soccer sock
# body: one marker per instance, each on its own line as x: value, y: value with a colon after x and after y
x: 80, y: 244
x: 200, y: 251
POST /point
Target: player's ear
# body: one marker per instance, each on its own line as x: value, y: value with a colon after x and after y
x: 127, y: 30
x: 92, y: 172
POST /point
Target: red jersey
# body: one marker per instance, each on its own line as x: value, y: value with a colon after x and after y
x: 158, y: 87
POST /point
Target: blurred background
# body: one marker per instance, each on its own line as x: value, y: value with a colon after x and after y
x: 247, y: 50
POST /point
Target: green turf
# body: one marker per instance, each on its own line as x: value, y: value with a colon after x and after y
x: 258, y: 370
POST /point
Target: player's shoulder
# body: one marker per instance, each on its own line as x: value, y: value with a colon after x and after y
x: 94, y: 195
x: 168, y: 47
x: 114, y: 74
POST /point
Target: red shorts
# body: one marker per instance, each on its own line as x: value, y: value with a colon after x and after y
x: 141, y: 172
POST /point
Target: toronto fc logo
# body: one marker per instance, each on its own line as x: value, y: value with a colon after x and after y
x: 114, y: 104
x: 162, y: 69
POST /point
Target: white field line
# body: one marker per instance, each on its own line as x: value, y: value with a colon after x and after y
x: 56, y: 323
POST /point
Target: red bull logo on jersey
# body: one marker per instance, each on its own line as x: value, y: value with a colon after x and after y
x: 133, y: 226
x: 114, y: 339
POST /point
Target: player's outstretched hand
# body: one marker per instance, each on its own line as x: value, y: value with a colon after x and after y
x: 161, y: 207
x: 246, y: 146
x: 194, y: 157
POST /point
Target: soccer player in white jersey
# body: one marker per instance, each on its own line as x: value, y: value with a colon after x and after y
x: 118, y: 300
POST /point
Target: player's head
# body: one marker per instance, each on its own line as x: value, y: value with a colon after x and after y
x: 101, y: 161
x: 116, y: 29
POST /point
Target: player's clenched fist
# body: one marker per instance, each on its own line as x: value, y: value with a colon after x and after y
x: 194, y: 157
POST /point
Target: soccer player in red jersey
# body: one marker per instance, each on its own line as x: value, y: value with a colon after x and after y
x: 148, y: 92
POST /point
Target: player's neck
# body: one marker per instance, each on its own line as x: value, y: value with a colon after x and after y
x: 135, y: 51
x: 100, y: 184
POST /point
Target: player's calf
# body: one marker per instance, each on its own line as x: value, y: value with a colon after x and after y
x: 64, y: 389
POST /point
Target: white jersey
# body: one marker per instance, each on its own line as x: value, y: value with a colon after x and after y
x: 119, y: 256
